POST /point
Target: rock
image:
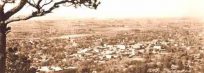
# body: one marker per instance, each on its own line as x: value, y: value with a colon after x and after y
x: 164, y: 43
x: 74, y: 44
x: 101, y: 47
x: 157, y: 47
x: 96, y: 50
x: 188, y: 48
x: 101, y: 62
x: 176, y: 45
x: 44, y: 69
x: 132, y: 53
x: 141, y: 50
x: 136, y: 46
x: 109, y: 46
x: 130, y: 56
x: 108, y: 56
x: 115, y: 56
x: 154, y: 52
x: 120, y: 46
x: 100, y: 57
x: 79, y: 56
x: 197, y: 56
x: 94, y: 71
x: 174, y: 67
x: 108, y: 52
x: 64, y: 60
x: 17, y: 53
x: 68, y: 70
x: 56, y: 68
x: 71, y: 68
x: 114, y: 48
x: 83, y: 50
x: 154, y: 41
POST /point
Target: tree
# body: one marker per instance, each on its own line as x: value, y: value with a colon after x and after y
x: 40, y: 10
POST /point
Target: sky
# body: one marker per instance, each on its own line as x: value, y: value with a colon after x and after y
x: 131, y: 9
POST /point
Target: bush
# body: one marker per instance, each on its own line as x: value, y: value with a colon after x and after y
x: 17, y: 62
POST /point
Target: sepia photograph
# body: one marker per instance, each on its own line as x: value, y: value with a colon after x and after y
x: 101, y: 36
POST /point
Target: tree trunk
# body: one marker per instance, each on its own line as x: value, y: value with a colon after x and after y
x: 2, y: 47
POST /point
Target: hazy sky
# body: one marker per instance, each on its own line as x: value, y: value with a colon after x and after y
x: 134, y: 8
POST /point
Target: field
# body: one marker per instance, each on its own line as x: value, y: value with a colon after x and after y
x: 168, y: 45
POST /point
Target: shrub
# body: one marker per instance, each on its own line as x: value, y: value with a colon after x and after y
x: 17, y: 62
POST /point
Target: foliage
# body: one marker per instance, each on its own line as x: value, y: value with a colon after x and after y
x: 18, y: 63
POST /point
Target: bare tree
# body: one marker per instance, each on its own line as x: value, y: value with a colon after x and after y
x: 40, y: 10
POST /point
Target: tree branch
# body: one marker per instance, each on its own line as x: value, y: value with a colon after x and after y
x: 2, y: 11
x: 2, y: 5
x: 46, y: 3
x: 34, y: 14
x: 56, y: 5
x: 32, y: 4
x: 38, y: 3
x: 41, y: 12
x: 15, y: 9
